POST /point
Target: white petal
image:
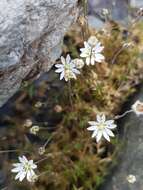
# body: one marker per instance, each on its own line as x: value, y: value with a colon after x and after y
x: 84, y: 54
x: 76, y: 71
x: 86, y: 45
x: 98, y: 118
x: 68, y: 59
x: 30, y: 175
x: 106, y: 136
x: 93, y: 123
x: 34, y: 166
x: 88, y: 61
x: 94, y: 133
x: 59, y: 65
x: 92, y: 61
x: 109, y: 132
x: 22, y: 159
x: 109, y: 122
x: 59, y: 70
x: 62, y: 75
x: 92, y: 128
x: 17, y: 176
x: 98, y: 136
x: 101, y: 118
x: 22, y: 176
x: 112, y: 126
x: 82, y: 49
x: 63, y: 60
x: 99, y: 58
x: 16, y: 164
x: 15, y: 170
x: 98, y: 48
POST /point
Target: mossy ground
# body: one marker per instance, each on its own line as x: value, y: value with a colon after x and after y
x: 74, y: 160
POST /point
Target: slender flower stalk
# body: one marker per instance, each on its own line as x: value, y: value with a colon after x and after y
x: 124, y: 114
x: 70, y: 93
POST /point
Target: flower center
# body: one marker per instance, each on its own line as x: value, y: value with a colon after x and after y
x: 27, y: 167
x: 101, y: 126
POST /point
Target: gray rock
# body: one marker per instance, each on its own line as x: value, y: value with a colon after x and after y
x: 131, y: 161
x: 136, y: 3
x: 31, y: 33
x: 118, y: 10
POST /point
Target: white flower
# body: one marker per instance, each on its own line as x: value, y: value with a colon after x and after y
x: 131, y: 178
x: 24, y: 169
x: 34, y: 129
x: 101, y: 127
x: 79, y: 63
x: 67, y: 69
x: 105, y: 11
x: 92, y: 51
x: 137, y: 107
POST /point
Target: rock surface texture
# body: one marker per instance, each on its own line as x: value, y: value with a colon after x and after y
x: 131, y: 159
x: 31, y: 32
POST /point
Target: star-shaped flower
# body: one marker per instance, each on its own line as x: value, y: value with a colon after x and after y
x: 67, y: 69
x: 101, y: 127
x: 92, y: 51
x: 24, y: 169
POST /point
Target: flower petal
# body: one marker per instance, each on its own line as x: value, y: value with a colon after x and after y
x: 62, y: 75
x: 109, y: 122
x: 93, y: 123
x: 109, y: 132
x: 63, y: 60
x: 59, y: 65
x: 59, y: 70
x: 92, y: 128
x: 98, y: 136
x: 92, y: 61
x: 94, y: 134
x: 106, y: 136
x: 99, y: 57
x: 112, y: 126
x: 68, y: 59
x: 88, y: 61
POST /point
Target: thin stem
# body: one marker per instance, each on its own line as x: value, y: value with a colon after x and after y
x: 7, y: 151
x: 43, y: 173
x: 70, y: 93
x: 116, y: 55
x: 85, y: 6
x: 48, y: 140
x: 122, y: 115
x: 41, y: 160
